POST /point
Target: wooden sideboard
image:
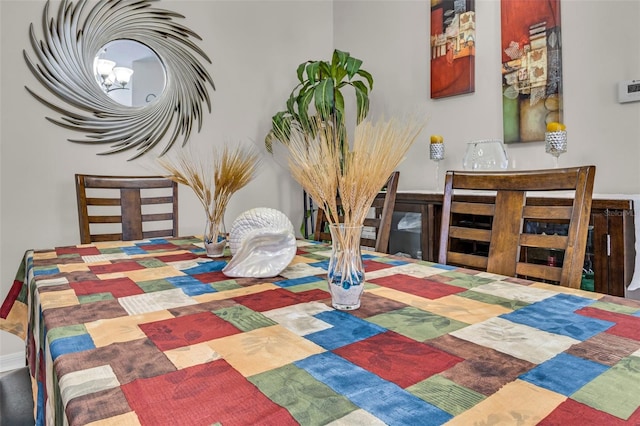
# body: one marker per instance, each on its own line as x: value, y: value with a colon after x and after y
x: 611, y: 248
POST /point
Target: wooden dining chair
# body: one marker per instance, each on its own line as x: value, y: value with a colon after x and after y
x: 497, y: 231
x: 126, y: 208
x: 379, y: 223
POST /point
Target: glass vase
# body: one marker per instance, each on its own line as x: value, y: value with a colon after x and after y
x: 215, y: 238
x: 346, y: 271
x: 487, y: 154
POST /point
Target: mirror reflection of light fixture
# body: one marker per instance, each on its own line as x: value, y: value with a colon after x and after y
x: 78, y: 32
x: 111, y: 77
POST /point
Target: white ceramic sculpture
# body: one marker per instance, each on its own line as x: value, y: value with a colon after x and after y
x: 262, y: 244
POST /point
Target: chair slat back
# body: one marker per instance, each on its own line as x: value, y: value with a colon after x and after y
x: 126, y: 208
x: 380, y: 222
x: 487, y: 224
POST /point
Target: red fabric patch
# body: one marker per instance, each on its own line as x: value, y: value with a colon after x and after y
x: 187, y: 330
x: 571, y: 412
x: 118, y: 287
x: 626, y: 325
x: 278, y: 298
x: 203, y: 395
x: 177, y: 257
x: 82, y: 251
x: 155, y: 247
x: 311, y: 295
x: 211, y: 277
x: 128, y: 265
x: 13, y: 294
x: 397, y: 358
x: 372, y: 265
x: 419, y: 286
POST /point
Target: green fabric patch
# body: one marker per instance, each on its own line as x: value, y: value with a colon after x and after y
x: 316, y: 285
x: 66, y: 331
x: 225, y: 285
x: 70, y: 256
x: 152, y: 286
x: 96, y: 297
x: 110, y: 250
x: 416, y: 324
x: 609, y: 392
x: 493, y: 300
x: 244, y: 318
x: 186, y: 241
x: 318, y: 257
x: 151, y: 263
x: 446, y: 394
x: 309, y: 401
x: 612, y: 307
x: 387, y: 260
x: 466, y: 281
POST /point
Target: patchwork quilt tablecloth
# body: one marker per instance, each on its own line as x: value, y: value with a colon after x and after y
x: 152, y: 333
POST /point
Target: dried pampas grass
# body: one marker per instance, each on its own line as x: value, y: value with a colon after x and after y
x: 214, y: 178
x: 327, y: 166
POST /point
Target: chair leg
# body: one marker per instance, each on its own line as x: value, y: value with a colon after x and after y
x: 16, y: 398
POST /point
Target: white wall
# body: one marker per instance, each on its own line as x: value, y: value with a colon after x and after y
x: 599, y: 48
x: 256, y: 46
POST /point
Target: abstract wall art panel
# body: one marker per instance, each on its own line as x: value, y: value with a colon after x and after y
x: 453, y: 36
x: 531, y: 68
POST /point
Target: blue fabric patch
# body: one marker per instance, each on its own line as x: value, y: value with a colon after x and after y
x: 385, y: 400
x: 45, y: 271
x: 564, y: 373
x: 40, y: 404
x: 555, y: 315
x: 133, y: 250
x: 346, y: 329
x: 190, y: 286
x: 395, y: 262
x: 214, y: 266
x: 297, y: 281
x: 445, y: 267
x: 324, y: 264
x: 154, y: 241
x: 71, y: 344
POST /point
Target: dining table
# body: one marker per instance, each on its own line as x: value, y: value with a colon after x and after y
x: 152, y: 332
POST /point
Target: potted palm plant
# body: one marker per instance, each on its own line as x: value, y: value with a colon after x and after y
x: 320, y: 84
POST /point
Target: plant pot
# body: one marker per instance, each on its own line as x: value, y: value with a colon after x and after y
x: 346, y: 271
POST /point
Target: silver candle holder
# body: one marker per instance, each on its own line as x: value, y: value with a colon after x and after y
x: 556, y: 143
x: 436, y: 153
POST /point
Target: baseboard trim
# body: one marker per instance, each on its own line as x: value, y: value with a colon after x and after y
x: 12, y: 361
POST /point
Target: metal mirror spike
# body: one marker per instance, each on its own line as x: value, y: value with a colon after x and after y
x: 64, y: 64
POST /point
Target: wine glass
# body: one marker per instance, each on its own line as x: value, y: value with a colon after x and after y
x: 556, y: 143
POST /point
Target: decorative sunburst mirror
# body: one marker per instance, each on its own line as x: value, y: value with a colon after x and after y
x: 79, y: 61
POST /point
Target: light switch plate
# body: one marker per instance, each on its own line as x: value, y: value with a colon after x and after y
x: 629, y: 91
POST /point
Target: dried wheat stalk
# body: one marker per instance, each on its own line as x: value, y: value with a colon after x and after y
x: 326, y: 167
x: 214, y: 178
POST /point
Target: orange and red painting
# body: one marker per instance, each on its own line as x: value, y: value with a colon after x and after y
x: 453, y: 36
x: 531, y: 68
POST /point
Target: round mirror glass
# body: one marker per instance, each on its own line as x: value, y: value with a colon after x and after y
x: 129, y: 72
